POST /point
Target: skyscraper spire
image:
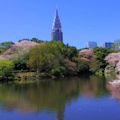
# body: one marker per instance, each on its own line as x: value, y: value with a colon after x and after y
x: 57, y: 34
x: 56, y: 23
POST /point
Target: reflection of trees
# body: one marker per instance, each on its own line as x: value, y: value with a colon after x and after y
x: 51, y: 95
x: 114, y: 88
x: 94, y: 86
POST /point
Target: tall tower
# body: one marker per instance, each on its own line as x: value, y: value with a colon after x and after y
x: 57, y: 34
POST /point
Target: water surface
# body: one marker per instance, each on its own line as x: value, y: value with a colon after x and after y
x: 66, y: 99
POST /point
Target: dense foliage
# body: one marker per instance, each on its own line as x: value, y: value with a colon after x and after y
x: 55, y: 59
x: 98, y: 64
x: 6, y: 69
x: 51, y: 58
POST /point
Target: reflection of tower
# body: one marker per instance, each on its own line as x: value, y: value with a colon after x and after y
x: 60, y: 115
x: 57, y: 34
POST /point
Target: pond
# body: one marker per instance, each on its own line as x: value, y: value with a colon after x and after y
x: 68, y: 99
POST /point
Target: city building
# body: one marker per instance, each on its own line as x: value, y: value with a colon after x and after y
x: 91, y: 44
x: 108, y: 44
x: 57, y: 34
x: 117, y: 45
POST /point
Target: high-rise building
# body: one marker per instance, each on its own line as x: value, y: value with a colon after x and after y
x: 91, y: 44
x: 57, y: 34
x: 108, y: 45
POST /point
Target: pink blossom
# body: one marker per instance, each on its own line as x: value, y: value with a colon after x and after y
x: 24, y: 44
x: 113, y: 58
x: 86, y: 53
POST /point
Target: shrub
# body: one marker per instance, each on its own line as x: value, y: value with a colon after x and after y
x: 69, y: 52
x: 6, y: 69
x: 82, y: 66
x: 58, y: 70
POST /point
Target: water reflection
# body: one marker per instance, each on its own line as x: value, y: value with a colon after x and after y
x: 115, y: 91
x: 49, y: 95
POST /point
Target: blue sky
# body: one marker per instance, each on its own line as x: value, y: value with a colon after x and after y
x: 82, y: 20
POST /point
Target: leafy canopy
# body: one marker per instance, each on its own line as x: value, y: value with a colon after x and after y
x: 6, y: 69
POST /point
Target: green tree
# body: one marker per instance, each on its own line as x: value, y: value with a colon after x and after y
x: 45, y: 56
x: 83, y: 66
x: 36, y: 40
x: 69, y: 52
x: 99, y: 62
x: 6, y: 69
x: 49, y: 57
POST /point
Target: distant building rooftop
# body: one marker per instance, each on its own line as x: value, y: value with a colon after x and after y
x: 91, y: 44
x: 108, y: 45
